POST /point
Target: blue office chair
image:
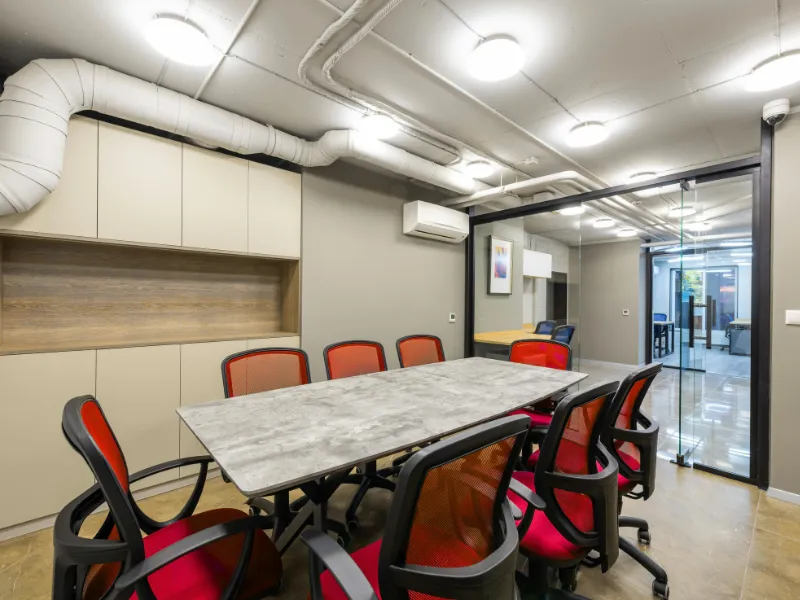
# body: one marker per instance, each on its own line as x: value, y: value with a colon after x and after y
x: 564, y: 334
x: 659, y: 317
x: 545, y: 327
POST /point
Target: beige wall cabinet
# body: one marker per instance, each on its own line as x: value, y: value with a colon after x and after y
x: 201, y: 381
x: 214, y: 200
x: 139, y: 389
x: 39, y: 470
x: 138, y: 187
x: 274, y: 200
x: 72, y: 207
x: 283, y: 342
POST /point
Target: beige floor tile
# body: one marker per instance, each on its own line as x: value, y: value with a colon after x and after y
x: 774, y: 569
x: 779, y: 517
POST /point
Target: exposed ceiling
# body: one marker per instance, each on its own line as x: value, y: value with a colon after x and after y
x: 665, y: 76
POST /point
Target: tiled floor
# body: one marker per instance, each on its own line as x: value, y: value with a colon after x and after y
x: 714, y: 360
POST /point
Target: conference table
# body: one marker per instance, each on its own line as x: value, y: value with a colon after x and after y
x: 498, y: 343
x: 313, y: 435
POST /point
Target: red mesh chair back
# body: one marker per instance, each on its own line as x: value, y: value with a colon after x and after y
x: 416, y: 350
x: 581, y: 503
x: 449, y: 512
x: 542, y: 353
x: 347, y: 359
x: 629, y: 435
x: 263, y: 370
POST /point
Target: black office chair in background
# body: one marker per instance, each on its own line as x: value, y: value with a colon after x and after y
x: 450, y: 531
x: 563, y: 334
x: 545, y: 327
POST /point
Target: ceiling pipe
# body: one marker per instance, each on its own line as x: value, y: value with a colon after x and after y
x: 38, y: 101
x: 526, y: 187
x: 705, y: 238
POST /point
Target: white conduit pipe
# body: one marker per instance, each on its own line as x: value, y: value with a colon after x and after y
x: 39, y: 100
x: 527, y: 186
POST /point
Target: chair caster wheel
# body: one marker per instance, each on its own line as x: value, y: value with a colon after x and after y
x: 353, y: 523
x: 344, y: 541
x: 661, y: 590
x: 644, y: 537
x: 254, y: 512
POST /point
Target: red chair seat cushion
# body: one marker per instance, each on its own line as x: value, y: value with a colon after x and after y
x: 542, y: 538
x: 533, y: 459
x: 454, y: 555
x: 537, y: 419
x: 204, y: 573
x: 625, y: 484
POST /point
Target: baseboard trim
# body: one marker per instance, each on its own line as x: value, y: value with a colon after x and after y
x: 15, y: 531
x: 782, y: 495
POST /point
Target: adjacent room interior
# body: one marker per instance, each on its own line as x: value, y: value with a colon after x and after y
x: 399, y: 299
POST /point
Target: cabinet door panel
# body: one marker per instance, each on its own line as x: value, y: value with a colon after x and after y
x: 138, y: 187
x: 40, y: 472
x: 139, y: 389
x: 274, y: 198
x: 214, y: 200
x: 72, y: 207
x: 284, y: 342
x: 201, y: 381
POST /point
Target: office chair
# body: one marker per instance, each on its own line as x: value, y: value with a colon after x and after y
x: 659, y: 316
x: 545, y: 327
x: 220, y: 553
x: 416, y: 350
x: 348, y: 359
x: 579, y: 494
x: 634, y: 450
x: 450, y: 531
x: 563, y: 334
x: 263, y: 370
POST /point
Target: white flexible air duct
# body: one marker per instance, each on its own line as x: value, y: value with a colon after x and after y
x: 38, y: 101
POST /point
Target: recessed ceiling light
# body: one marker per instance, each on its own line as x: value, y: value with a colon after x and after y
x: 604, y: 222
x: 496, y: 58
x: 738, y: 244
x: 639, y: 177
x: 379, y: 127
x: 180, y: 41
x: 699, y: 226
x: 627, y: 232
x: 587, y: 134
x: 681, y: 211
x: 775, y: 73
x: 478, y: 169
x: 572, y: 210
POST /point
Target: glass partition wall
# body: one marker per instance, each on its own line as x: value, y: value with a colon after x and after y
x: 662, y: 275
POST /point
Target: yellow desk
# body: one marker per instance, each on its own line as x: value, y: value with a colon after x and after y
x: 506, y: 338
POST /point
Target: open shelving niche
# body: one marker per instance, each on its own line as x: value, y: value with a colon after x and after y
x: 60, y: 295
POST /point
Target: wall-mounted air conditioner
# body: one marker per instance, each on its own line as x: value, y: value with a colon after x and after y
x: 435, y: 222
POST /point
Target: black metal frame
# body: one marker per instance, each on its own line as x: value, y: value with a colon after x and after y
x: 492, y: 578
x: 256, y: 351
x: 74, y: 554
x: 425, y: 336
x: 761, y: 166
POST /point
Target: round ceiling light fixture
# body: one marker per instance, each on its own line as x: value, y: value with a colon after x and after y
x: 496, y: 58
x: 775, y: 73
x: 643, y: 176
x: 478, y: 169
x: 699, y: 226
x: 627, y: 232
x: 587, y: 134
x: 180, y: 41
x: 378, y: 126
x: 681, y: 211
x: 572, y: 210
x: 604, y: 223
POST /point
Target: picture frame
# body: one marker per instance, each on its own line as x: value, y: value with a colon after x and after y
x: 501, y: 266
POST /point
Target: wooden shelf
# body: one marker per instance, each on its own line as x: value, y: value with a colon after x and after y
x: 63, y: 295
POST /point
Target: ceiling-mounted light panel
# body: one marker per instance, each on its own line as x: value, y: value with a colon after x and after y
x: 627, y: 232
x: 587, y: 134
x: 478, y: 169
x: 681, y: 211
x: 379, y: 127
x: 699, y: 226
x: 775, y: 73
x: 604, y: 223
x: 496, y: 59
x: 571, y: 211
x: 181, y: 41
x: 643, y: 176
x: 736, y: 244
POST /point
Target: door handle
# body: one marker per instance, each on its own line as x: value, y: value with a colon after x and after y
x: 691, y: 321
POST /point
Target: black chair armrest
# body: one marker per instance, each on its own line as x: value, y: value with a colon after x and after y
x: 527, y: 494
x: 350, y: 578
x: 149, y: 525
x: 137, y: 573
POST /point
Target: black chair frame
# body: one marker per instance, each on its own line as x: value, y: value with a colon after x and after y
x: 73, y: 555
x: 492, y: 578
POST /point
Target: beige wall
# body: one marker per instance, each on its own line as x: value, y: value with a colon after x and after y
x: 362, y: 278
x: 609, y: 283
x: 785, y: 411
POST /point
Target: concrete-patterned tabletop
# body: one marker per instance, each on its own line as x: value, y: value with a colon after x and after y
x: 274, y: 440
